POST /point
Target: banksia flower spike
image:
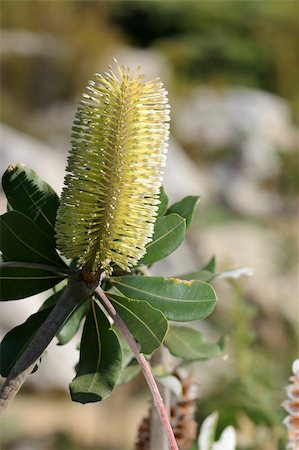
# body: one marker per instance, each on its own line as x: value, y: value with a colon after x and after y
x: 114, y: 173
x: 292, y: 407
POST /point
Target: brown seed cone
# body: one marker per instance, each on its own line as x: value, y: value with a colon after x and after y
x: 292, y: 407
x: 181, y: 418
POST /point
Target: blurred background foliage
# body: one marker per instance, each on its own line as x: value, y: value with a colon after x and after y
x: 210, y: 52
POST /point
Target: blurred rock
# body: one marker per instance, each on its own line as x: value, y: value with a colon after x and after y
x: 273, y: 286
x: 30, y: 43
x: 49, y: 162
x: 152, y: 63
x: 253, y: 126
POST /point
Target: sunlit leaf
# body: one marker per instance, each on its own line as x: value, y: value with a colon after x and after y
x: 179, y: 300
x: 236, y: 273
x: 30, y: 195
x: 100, y: 359
x: 185, y: 208
x: 169, y: 233
x: 189, y: 344
x: 147, y: 324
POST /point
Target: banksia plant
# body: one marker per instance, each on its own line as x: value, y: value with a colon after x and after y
x: 292, y: 407
x: 119, y: 143
x: 113, y: 213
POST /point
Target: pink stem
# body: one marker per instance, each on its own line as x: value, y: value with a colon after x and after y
x: 145, y: 367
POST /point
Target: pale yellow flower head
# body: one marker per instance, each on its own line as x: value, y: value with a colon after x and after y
x: 114, y: 172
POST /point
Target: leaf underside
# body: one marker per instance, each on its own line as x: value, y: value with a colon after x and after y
x: 189, y: 344
x: 100, y: 359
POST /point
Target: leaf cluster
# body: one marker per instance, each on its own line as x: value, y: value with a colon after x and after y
x: 148, y: 305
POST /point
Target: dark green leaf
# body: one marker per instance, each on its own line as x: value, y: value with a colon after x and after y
x: 71, y: 325
x: 169, y: 233
x: 185, y: 208
x: 51, y: 301
x: 16, y: 340
x: 100, y: 359
x: 21, y: 240
x: 189, y: 344
x: 179, y: 300
x: 147, y: 324
x: 163, y: 202
x: 16, y: 283
x: 30, y: 195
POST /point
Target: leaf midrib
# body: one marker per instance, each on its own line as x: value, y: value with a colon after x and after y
x: 154, y: 241
x: 183, y: 343
x: 140, y: 320
x: 169, y: 299
x: 21, y: 184
x: 27, y: 245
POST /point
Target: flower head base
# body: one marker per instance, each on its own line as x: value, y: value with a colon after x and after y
x: 114, y: 173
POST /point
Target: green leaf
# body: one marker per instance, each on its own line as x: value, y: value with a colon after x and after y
x: 21, y: 240
x: 51, y: 301
x: 208, y: 276
x: 185, y: 208
x: 211, y: 265
x: 100, y: 359
x: 71, y: 325
x: 129, y: 372
x: 169, y: 233
x: 179, y: 300
x: 189, y: 344
x: 163, y: 202
x: 30, y: 195
x: 147, y: 324
x: 17, y: 283
x: 202, y: 275
x: 206, y: 273
x: 16, y: 340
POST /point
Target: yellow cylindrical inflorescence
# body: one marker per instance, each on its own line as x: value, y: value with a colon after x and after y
x: 114, y: 172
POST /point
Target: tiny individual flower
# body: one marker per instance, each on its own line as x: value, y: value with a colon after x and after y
x: 114, y: 172
x: 292, y: 407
